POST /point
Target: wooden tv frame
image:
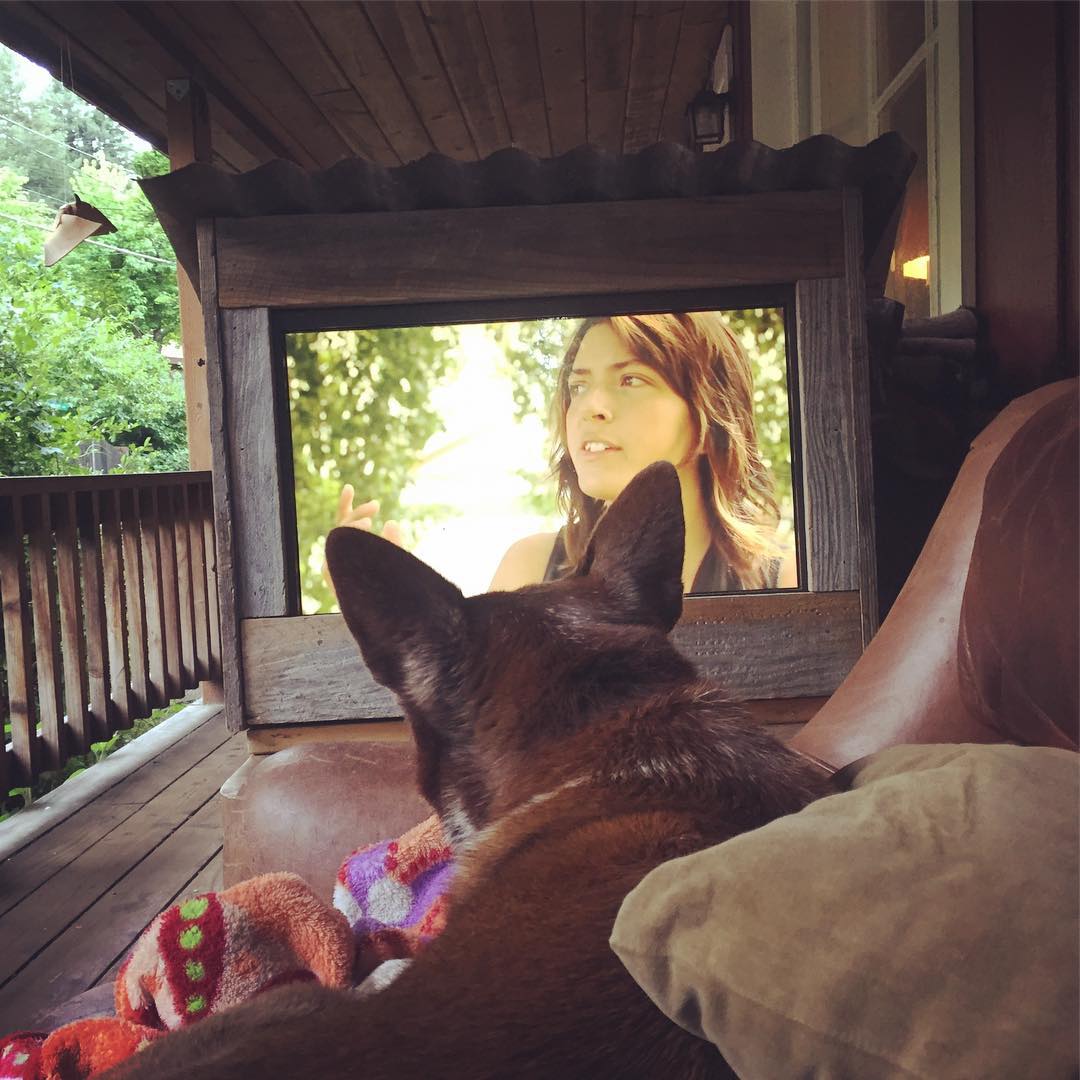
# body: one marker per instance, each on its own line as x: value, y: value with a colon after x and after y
x: 784, y: 651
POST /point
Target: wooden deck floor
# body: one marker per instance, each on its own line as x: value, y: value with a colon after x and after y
x: 74, y: 900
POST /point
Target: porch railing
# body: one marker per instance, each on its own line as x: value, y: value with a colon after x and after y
x: 110, y: 608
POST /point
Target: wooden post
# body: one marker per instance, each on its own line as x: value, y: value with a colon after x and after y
x: 187, y: 121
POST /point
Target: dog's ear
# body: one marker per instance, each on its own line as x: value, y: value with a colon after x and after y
x: 405, y: 617
x: 637, y: 548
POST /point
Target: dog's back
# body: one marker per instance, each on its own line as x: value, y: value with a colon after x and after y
x: 569, y: 749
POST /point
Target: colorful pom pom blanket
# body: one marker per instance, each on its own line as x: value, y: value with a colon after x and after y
x: 218, y: 949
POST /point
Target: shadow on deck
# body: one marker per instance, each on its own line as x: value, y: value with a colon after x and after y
x: 74, y: 900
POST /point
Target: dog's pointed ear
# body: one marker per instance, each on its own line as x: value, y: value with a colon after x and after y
x: 637, y: 548
x: 405, y: 616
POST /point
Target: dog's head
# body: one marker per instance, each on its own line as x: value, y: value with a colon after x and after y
x: 490, y: 682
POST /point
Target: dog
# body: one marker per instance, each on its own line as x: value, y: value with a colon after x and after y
x: 569, y: 748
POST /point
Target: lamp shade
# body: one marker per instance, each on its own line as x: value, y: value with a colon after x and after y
x: 75, y: 221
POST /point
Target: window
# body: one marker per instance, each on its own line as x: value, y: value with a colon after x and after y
x: 858, y: 68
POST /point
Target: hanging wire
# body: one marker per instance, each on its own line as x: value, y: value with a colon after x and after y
x: 34, y: 149
x: 50, y: 138
x: 59, y: 199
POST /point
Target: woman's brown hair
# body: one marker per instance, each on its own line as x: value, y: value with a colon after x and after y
x: 702, y: 361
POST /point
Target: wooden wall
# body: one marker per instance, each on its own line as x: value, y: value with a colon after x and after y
x: 1025, y: 71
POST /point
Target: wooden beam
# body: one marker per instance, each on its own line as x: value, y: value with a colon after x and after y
x: 511, y: 252
x: 187, y: 120
x: 1021, y: 226
x: 230, y: 671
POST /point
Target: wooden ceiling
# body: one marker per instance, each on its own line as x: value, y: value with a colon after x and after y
x: 387, y: 81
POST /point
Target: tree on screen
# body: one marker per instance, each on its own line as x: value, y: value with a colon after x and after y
x: 361, y: 414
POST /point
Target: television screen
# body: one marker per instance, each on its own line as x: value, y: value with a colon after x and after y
x: 488, y: 449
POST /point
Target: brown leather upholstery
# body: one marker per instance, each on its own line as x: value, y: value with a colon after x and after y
x: 1018, y: 646
x: 304, y: 809
x: 907, y: 687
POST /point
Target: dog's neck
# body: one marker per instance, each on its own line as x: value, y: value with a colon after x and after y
x: 463, y: 835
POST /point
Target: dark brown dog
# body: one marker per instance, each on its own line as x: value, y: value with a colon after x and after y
x: 569, y: 749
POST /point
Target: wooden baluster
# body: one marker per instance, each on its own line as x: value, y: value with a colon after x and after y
x: 193, y: 517
x: 206, y: 499
x: 170, y: 593
x: 115, y: 610
x: 182, y: 544
x: 97, y: 646
x: 72, y: 641
x: 135, y: 596
x: 46, y: 631
x: 21, y: 766
x: 7, y: 766
x: 152, y: 593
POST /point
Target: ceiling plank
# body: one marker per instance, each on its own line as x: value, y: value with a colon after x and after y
x: 288, y: 33
x: 403, y: 33
x: 459, y: 39
x: 349, y: 35
x: 560, y: 40
x: 699, y: 37
x: 656, y: 33
x: 220, y: 29
x: 609, y: 33
x: 511, y: 40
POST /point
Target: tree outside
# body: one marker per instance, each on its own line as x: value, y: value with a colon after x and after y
x: 81, y: 342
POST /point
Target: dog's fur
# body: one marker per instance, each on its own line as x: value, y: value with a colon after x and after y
x: 569, y: 749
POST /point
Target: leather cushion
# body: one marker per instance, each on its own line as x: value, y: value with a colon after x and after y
x: 1018, y: 636
x: 306, y: 808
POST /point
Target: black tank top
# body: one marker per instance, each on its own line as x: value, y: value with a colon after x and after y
x: 713, y: 576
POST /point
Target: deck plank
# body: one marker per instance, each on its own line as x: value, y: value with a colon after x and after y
x: 29, y: 868
x: 79, y: 957
x: 50, y: 909
x: 208, y: 879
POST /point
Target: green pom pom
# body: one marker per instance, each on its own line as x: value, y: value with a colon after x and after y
x: 196, y: 1003
x: 194, y: 909
x: 194, y: 970
x: 190, y: 938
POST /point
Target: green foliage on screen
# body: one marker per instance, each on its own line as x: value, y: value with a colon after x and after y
x: 361, y: 414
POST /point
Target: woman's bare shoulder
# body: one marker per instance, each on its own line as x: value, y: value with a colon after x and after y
x: 524, y: 563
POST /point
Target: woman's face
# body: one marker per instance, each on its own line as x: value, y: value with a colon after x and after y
x: 622, y: 416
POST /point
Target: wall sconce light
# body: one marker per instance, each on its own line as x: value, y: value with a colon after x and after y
x: 75, y: 222
x: 707, y: 112
x: 707, y: 115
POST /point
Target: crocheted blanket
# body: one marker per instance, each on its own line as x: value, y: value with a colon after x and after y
x: 216, y: 950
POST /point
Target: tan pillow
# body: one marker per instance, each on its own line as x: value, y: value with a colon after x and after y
x: 922, y: 924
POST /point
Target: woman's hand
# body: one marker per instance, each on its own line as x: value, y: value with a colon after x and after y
x: 363, y: 516
x: 360, y: 517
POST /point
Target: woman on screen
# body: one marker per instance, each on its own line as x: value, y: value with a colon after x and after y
x: 634, y: 389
